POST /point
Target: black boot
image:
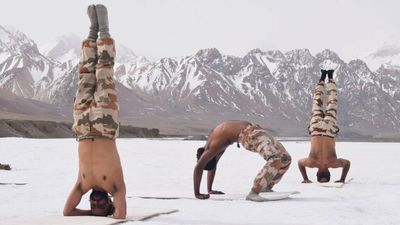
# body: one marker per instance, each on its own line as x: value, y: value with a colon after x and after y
x: 330, y: 74
x: 323, y: 75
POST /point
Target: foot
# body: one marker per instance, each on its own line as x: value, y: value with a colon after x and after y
x: 202, y: 196
x: 214, y: 192
x: 330, y: 74
x: 323, y: 75
x: 102, y: 18
x: 255, y: 197
x: 94, y: 25
x: 267, y: 190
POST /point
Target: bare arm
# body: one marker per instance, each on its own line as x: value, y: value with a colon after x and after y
x: 210, y: 178
x: 198, y: 171
x: 73, y: 201
x: 303, y: 163
x: 346, y: 167
x: 120, y: 202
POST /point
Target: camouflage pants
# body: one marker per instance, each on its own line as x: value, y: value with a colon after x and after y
x: 256, y: 139
x: 95, y: 106
x: 324, y: 123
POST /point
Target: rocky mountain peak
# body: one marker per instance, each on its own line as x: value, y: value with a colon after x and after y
x: 63, y: 48
x: 360, y: 65
x: 209, y: 54
x: 276, y: 54
x: 16, y: 42
x: 255, y: 51
x: 329, y: 54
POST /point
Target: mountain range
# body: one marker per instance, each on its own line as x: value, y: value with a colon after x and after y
x: 191, y: 94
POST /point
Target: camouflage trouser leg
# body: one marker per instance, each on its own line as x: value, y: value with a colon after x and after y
x: 95, y: 107
x: 106, y: 109
x: 324, y: 123
x: 331, y: 109
x: 86, y: 88
x: 256, y: 139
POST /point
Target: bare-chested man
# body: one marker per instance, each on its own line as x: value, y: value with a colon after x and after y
x: 254, y: 139
x: 323, y: 129
x: 96, y: 125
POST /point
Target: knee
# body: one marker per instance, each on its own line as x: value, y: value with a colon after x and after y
x: 286, y: 160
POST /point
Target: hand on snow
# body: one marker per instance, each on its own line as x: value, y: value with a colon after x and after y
x: 202, y: 196
x: 339, y: 181
x: 216, y: 192
x: 306, y: 181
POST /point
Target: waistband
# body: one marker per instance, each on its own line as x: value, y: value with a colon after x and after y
x: 322, y: 135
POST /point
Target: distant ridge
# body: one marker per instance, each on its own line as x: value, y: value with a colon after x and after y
x: 51, y: 129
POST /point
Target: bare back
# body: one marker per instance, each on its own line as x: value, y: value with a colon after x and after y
x: 99, y: 166
x: 225, y: 134
x: 322, y: 153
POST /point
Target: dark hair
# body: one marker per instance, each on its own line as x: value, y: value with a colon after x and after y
x: 321, y: 174
x: 211, y: 164
x: 98, y: 195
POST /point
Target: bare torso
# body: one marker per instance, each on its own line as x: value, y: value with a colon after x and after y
x: 323, y: 152
x: 99, y: 166
x: 225, y: 134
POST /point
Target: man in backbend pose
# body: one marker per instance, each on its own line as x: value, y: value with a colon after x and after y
x: 253, y: 138
x: 323, y: 129
x: 96, y: 125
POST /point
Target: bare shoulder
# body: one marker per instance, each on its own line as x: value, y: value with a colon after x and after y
x: 307, y: 162
x: 340, y: 163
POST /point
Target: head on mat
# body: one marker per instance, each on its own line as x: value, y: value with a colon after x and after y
x: 323, y: 175
x: 100, y: 203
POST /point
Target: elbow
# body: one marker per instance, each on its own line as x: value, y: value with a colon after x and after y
x: 198, y: 168
x: 67, y: 213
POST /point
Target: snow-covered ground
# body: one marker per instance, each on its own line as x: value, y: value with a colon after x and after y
x: 49, y: 166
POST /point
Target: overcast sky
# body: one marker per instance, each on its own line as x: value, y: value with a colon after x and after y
x: 167, y: 28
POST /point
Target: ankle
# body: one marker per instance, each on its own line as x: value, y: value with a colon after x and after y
x: 104, y: 34
x: 94, y: 25
x: 102, y: 18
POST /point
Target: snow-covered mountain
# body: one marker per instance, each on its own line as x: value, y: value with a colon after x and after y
x: 193, y: 93
x: 24, y: 71
x: 272, y: 88
x: 64, y: 49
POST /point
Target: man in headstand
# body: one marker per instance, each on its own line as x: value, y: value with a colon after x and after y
x: 253, y: 138
x: 323, y: 129
x: 96, y: 125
